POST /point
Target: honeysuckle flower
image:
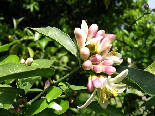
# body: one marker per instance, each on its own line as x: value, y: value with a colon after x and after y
x: 87, y: 65
x: 84, y: 53
x: 115, y: 56
x: 109, y: 89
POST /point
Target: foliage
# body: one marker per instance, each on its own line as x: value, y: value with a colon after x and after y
x: 56, y: 57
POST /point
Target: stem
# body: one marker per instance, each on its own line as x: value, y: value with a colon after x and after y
x: 66, y: 76
x: 56, y: 83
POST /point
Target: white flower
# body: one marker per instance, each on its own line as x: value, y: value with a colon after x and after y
x: 115, y: 56
x: 109, y: 89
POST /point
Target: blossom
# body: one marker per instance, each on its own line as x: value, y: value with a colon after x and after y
x: 115, y: 56
x: 109, y: 89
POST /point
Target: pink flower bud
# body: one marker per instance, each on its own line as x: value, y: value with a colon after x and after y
x: 17, y: 110
x: 105, y: 41
x: 107, y: 49
x: 109, y: 70
x: 87, y: 65
x: 90, y: 86
x: 80, y: 36
x: 21, y: 100
x: 47, y: 84
x: 146, y: 6
x: 108, y: 62
x: 92, y: 31
x: 85, y: 53
x: 97, y: 68
x: 100, y: 33
x: 29, y: 61
x: 22, y: 61
x: 96, y: 58
x: 96, y: 82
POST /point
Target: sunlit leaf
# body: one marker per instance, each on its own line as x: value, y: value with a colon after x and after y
x: 19, y: 71
x: 4, y: 47
x: 53, y: 93
x: 31, y: 52
x: 64, y: 104
x: 151, y: 68
x: 60, y: 37
x: 9, y: 58
x: 37, y: 107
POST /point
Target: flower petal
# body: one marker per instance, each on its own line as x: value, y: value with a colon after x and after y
x: 88, y: 101
x: 119, y: 77
x: 84, y: 27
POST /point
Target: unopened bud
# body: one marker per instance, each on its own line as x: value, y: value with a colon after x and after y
x: 17, y: 110
x: 87, y: 65
x: 21, y: 101
x: 108, y: 62
x: 80, y: 36
x: 96, y: 82
x: 90, y: 86
x: 109, y: 70
x: 96, y: 58
x: 85, y: 53
x: 22, y: 61
x: 100, y: 33
x: 146, y: 6
x: 92, y: 31
x: 75, y: 93
x: 47, y: 84
x: 97, y: 68
x: 29, y: 61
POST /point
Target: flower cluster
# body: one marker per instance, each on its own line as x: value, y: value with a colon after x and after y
x: 94, y: 46
x: 94, y: 49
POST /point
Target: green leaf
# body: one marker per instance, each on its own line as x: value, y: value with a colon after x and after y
x: 9, y: 58
x: 151, y: 68
x: 47, y: 112
x: 53, y: 93
x: 14, y: 49
x: 19, y: 71
x: 12, y: 89
x: 143, y: 79
x: 54, y: 106
x: 60, y: 37
x: 27, y: 83
x: 5, y: 112
x: 4, y: 47
x: 110, y: 110
x: 37, y: 107
x: 148, y: 104
x: 42, y: 63
x: 6, y: 99
x: 64, y: 104
x: 43, y: 42
x: 31, y: 52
